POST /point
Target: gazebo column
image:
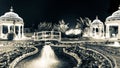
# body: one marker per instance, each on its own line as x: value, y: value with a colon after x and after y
x: 22, y: 31
x: 14, y: 29
x: 8, y: 28
x: 103, y: 32
x: 107, y: 31
x: 19, y: 31
x: 119, y: 32
x: 99, y: 30
x: 95, y: 32
x: 91, y: 31
x: 1, y: 30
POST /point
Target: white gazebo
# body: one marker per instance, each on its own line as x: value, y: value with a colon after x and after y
x: 113, y: 25
x: 97, y: 29
x: 10, y: 22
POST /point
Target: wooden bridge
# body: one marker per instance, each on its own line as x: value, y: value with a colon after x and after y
x: 47, y: 36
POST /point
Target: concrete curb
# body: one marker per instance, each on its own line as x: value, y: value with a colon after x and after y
x: 14, y: 63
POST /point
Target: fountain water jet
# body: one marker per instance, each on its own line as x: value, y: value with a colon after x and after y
x: 48, y: 58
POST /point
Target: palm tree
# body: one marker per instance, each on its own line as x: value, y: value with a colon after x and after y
x: 83, y: 24
x: 88, y: 24
x: 56, y: 27
x: 44, y: 26
x: 62, y: 26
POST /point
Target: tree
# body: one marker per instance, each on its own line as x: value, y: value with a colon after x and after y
x: 88, y: 23
x: 62, y: 26
x: 83, y: 24
x: 44, y: 26
x: 10, y: 36
x: 56, y: 27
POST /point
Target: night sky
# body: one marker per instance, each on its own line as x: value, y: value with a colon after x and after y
x: 36, y: 11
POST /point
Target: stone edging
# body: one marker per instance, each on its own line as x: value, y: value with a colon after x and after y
x: 103, y: 56
x: 73, y: 55
x: 14, y: 63
x: 79, y: 60
x: 111, y: 59
x: 114, y: 62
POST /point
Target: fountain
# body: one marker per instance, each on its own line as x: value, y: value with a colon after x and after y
x: 48, y: 58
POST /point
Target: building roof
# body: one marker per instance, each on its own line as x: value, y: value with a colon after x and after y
x: 97, y: 21
x: 114, y: 16
x: 11, y: 16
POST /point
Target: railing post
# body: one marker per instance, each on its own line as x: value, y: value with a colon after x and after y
x: 52, y: 35
x: 34, y: 36
x: 42, y: 35
x: 59, y: 36
x: 37, y: 36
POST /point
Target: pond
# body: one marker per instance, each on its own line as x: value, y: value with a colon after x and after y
x: 65, y: 61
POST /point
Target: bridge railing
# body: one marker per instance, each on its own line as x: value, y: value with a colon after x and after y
x: 47, y: 35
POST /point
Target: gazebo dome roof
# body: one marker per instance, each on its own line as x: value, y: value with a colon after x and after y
x: 96, y: 21
x: 11, y: 15
x: 114, y: 16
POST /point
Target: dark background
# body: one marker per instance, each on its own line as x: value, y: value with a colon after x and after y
x: 36, y: 11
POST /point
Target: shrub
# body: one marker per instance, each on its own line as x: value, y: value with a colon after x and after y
x: 10, y: 36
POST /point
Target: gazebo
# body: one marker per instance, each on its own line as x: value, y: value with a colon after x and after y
x: 113, y: 25
x: 97, y: 29
x: 10, y: 22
